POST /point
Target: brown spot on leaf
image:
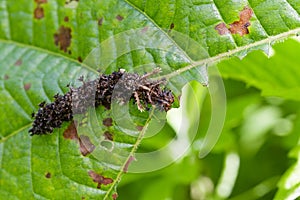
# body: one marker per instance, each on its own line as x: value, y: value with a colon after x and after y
x: 107, y: 122
x: 101, y: 180
x: 172, y: 26
x: 100, y: 21
x: 114, y: 196
x: 18, y: 62
x: 6, y: 77
x: 48, y: 175
x: 130, y: 159
x: 70, y: 52
x: 79, y: 59
x: 246, y: 14
x: 108, y: 136
x: 86, y: 146
x: 119, y: 17
x: 63, y: 38
x: 40, y: 1
x: 71, y: 132
x: 222, y: 29
x: 66, y: 18
x: 27, y: 86
x: 238, y: 27
x: 38, y: 12
x: 145, y: 29
x: 139, y: 128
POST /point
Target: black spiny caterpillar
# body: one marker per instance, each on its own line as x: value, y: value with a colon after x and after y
x: 99, y: 92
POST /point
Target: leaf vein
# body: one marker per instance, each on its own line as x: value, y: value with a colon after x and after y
x: 258, y: 20
x: 220, y: 15
x: 227, y: 54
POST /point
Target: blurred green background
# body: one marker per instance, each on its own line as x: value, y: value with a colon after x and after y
x: 252, y: 153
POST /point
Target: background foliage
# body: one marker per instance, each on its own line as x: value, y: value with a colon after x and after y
x: 256, y: 156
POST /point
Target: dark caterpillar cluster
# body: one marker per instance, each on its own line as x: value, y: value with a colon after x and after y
x: 120, y: 85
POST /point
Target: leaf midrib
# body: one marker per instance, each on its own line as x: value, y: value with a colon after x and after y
x: 219, y: 57
x: 211, y: 60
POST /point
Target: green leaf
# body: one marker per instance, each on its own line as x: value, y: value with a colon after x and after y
x: 276, y: 76
x: 42, y: 44
x: 289, y: 184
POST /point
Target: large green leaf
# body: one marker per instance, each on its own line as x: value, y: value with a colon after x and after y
x: 275, y: 76
x: 42, y: 43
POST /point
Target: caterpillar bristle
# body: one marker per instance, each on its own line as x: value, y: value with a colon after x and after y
x: 144, y: 91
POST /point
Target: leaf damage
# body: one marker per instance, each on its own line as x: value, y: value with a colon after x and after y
x: 130, y: 159
x: 39, y: 10
x: 237, y: 27
x: 18, y: 62
x: 108, y: 136
x: 85, y: 145
x: 101, y: 180
x: 100, y: 21
x: 27, y: 86
x: 172, y: 25
x: 71, y: 132
x: 63, y: 38
x: 48, y: 175
x: 107, y: 122
x: 71, y: 4
x: 115, y: 196
x: 119, y: 17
